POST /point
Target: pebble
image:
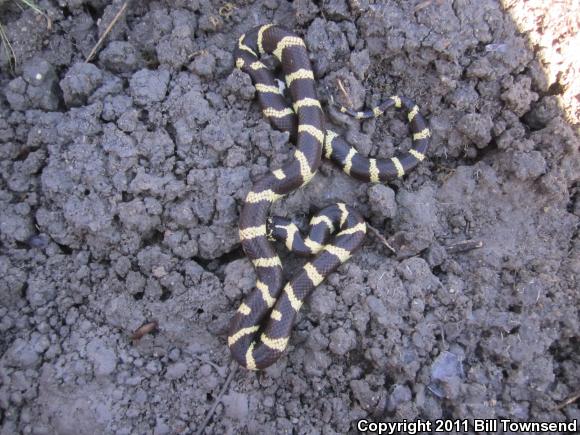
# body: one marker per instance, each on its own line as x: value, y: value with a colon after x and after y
x: 40, y: 292
x: 342, y: 341
x: 149, y: 86
x: 477, y: 128
x: 176, y: 371
x: 382, y: 201
x: 236, y: 405
x: 103, y: 357
x: 446, y: 373
x: 22, y: 354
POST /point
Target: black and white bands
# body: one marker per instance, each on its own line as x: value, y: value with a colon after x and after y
x: 260, y: 330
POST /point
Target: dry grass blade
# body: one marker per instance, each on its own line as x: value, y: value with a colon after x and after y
x: 7, y: 48
x: 343, y: 90
x: 426, y: 4
x: 423, y: 5
x: 36, y: 9
x: 218, y: 399
x: 5, y: 41
x: 466, y: 245
x: 107, y: 31
x: 568, y: 401
x: 206, y: 361
x: 379, y: 236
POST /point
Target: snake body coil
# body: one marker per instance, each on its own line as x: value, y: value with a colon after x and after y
x: 260, y: 330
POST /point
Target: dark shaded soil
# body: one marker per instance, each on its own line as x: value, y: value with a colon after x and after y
x: 121, y: 182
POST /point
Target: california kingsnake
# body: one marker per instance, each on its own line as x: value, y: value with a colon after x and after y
x: 260, y: 330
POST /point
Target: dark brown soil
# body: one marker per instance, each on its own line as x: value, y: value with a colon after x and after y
x: 121, y: 182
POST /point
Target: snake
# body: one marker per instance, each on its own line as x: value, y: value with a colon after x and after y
x: 260, y: 329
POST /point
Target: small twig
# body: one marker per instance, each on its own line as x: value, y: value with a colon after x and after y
x: 466, y: 245
x: 218, y: 399
x: 107, y: 31
x: 203, y: 360
x: 146, y: 328
x: 379, y: 236
x: 568, y: 401
x: 343, y: 90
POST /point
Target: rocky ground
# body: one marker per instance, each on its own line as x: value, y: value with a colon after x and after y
x: 122, y: 179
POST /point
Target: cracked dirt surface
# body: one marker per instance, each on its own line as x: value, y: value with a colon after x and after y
x: 122, y: 179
